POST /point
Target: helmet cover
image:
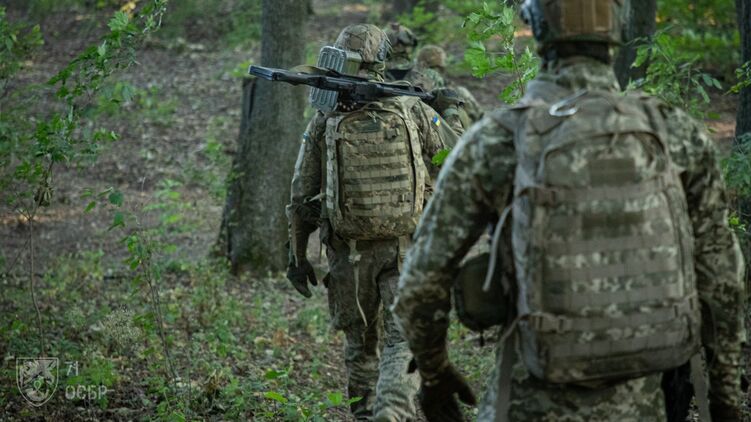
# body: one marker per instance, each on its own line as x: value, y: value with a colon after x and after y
x: 574, y: 20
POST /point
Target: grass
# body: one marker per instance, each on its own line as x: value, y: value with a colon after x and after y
x: 247, y: 348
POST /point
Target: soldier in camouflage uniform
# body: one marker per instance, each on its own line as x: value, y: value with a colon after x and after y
x: 362, y: 176
x: 400, y: 60
x: 431, y: 62
x: 478, y: 180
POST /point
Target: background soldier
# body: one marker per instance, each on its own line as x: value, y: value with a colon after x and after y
x: 489, y: 168
x: 401, y: 58
x: 372, y: 164
x: 431, y: 62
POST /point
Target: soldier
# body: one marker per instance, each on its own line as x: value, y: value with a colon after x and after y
x: 372, y: 166
x: 618, y: 219
x: 400, y: 61
x: 431, y: 62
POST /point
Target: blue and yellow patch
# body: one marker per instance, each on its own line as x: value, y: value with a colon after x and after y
x: 436, y: 121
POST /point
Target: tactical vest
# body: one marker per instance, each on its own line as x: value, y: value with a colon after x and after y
x: 375, y: 173
x: 602, y: 241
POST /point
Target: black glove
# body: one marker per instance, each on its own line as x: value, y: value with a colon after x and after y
x: 437, y: 396
x: 300, y: 275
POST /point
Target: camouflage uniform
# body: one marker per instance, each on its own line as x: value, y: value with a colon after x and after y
x: 400, y: 60
x: 477, y: 180
x: 356, y: 301
x: 431, y: 65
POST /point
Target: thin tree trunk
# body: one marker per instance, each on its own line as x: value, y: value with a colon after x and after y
x: 640, y: 23
x: 254, y: 226
x: 743, y: 123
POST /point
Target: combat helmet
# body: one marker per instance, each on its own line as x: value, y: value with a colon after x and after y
x: 370, y: 42
x: 432, y: 57
x: 567, y: 21
x: 403, y: 44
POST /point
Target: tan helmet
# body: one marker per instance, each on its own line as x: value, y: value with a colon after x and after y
x: 574, y: 20
x: 432, y: 56
x: 403, y: 44
x: 365, y: 39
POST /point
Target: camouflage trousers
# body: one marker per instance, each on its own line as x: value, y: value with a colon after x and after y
x: 635, y: 400
x: 360, y: 306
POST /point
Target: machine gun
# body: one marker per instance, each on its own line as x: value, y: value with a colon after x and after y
x: 332, y: 88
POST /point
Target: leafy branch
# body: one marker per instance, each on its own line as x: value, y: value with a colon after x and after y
x: 30, y: 152
x: 487, y: 27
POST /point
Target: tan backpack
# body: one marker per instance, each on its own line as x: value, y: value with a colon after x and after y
x: 602, y: 242
x: 375, y: 184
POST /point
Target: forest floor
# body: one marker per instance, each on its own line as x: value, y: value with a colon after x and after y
x: 233, y: 348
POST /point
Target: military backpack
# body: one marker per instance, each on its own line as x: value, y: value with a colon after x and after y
x: 375, y: 184
x: 602, y: 241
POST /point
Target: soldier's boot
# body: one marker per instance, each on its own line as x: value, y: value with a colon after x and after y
x: 361, y: 358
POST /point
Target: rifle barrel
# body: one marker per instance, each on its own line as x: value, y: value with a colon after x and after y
x: 340, y: 83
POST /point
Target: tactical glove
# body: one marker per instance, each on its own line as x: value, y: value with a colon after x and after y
x: 300, y: 275
x: 437, y: 396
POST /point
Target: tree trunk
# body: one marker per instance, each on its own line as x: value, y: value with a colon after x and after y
x: 743, y: 123
x: 254, y: 226
x: 640, y: 22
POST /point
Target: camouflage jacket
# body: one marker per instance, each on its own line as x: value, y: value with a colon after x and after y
x: 309, y: 180
x: 477, y: 180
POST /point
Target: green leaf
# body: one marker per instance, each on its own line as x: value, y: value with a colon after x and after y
x: 273, y: 395
x: 119, y: 21
x: 335, y: 398
x: 90, y: 206
x: 440, y: 157
x: 102, y: 49
x: 273, y: 374
x: 116, y: 198
x: 117, y: 221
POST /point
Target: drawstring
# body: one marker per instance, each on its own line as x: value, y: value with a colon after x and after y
x: 494, y: 251
x: 354, y: 259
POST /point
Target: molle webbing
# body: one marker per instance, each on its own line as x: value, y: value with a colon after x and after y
x: 595, y: 349
x: 612, y: 244
x: 547, y: 196
x: 559, y: 273
x: 550, y: 323
x: 603, y: 260
x: 375, y: 174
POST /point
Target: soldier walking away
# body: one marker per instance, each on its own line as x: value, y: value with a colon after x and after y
x: 363, y: 175
x: 431, y: 65
x: 612, y: 227
x: 401, y: 58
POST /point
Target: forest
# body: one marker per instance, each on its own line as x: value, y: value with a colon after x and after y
x: 144, y: 177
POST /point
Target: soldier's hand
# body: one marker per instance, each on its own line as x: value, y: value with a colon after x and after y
x: 438, y: 396
x: 300, y: 275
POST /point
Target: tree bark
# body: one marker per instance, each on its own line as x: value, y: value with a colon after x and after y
x: 254, y: 226
x: 640, y: 22
x: 743, y: 122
